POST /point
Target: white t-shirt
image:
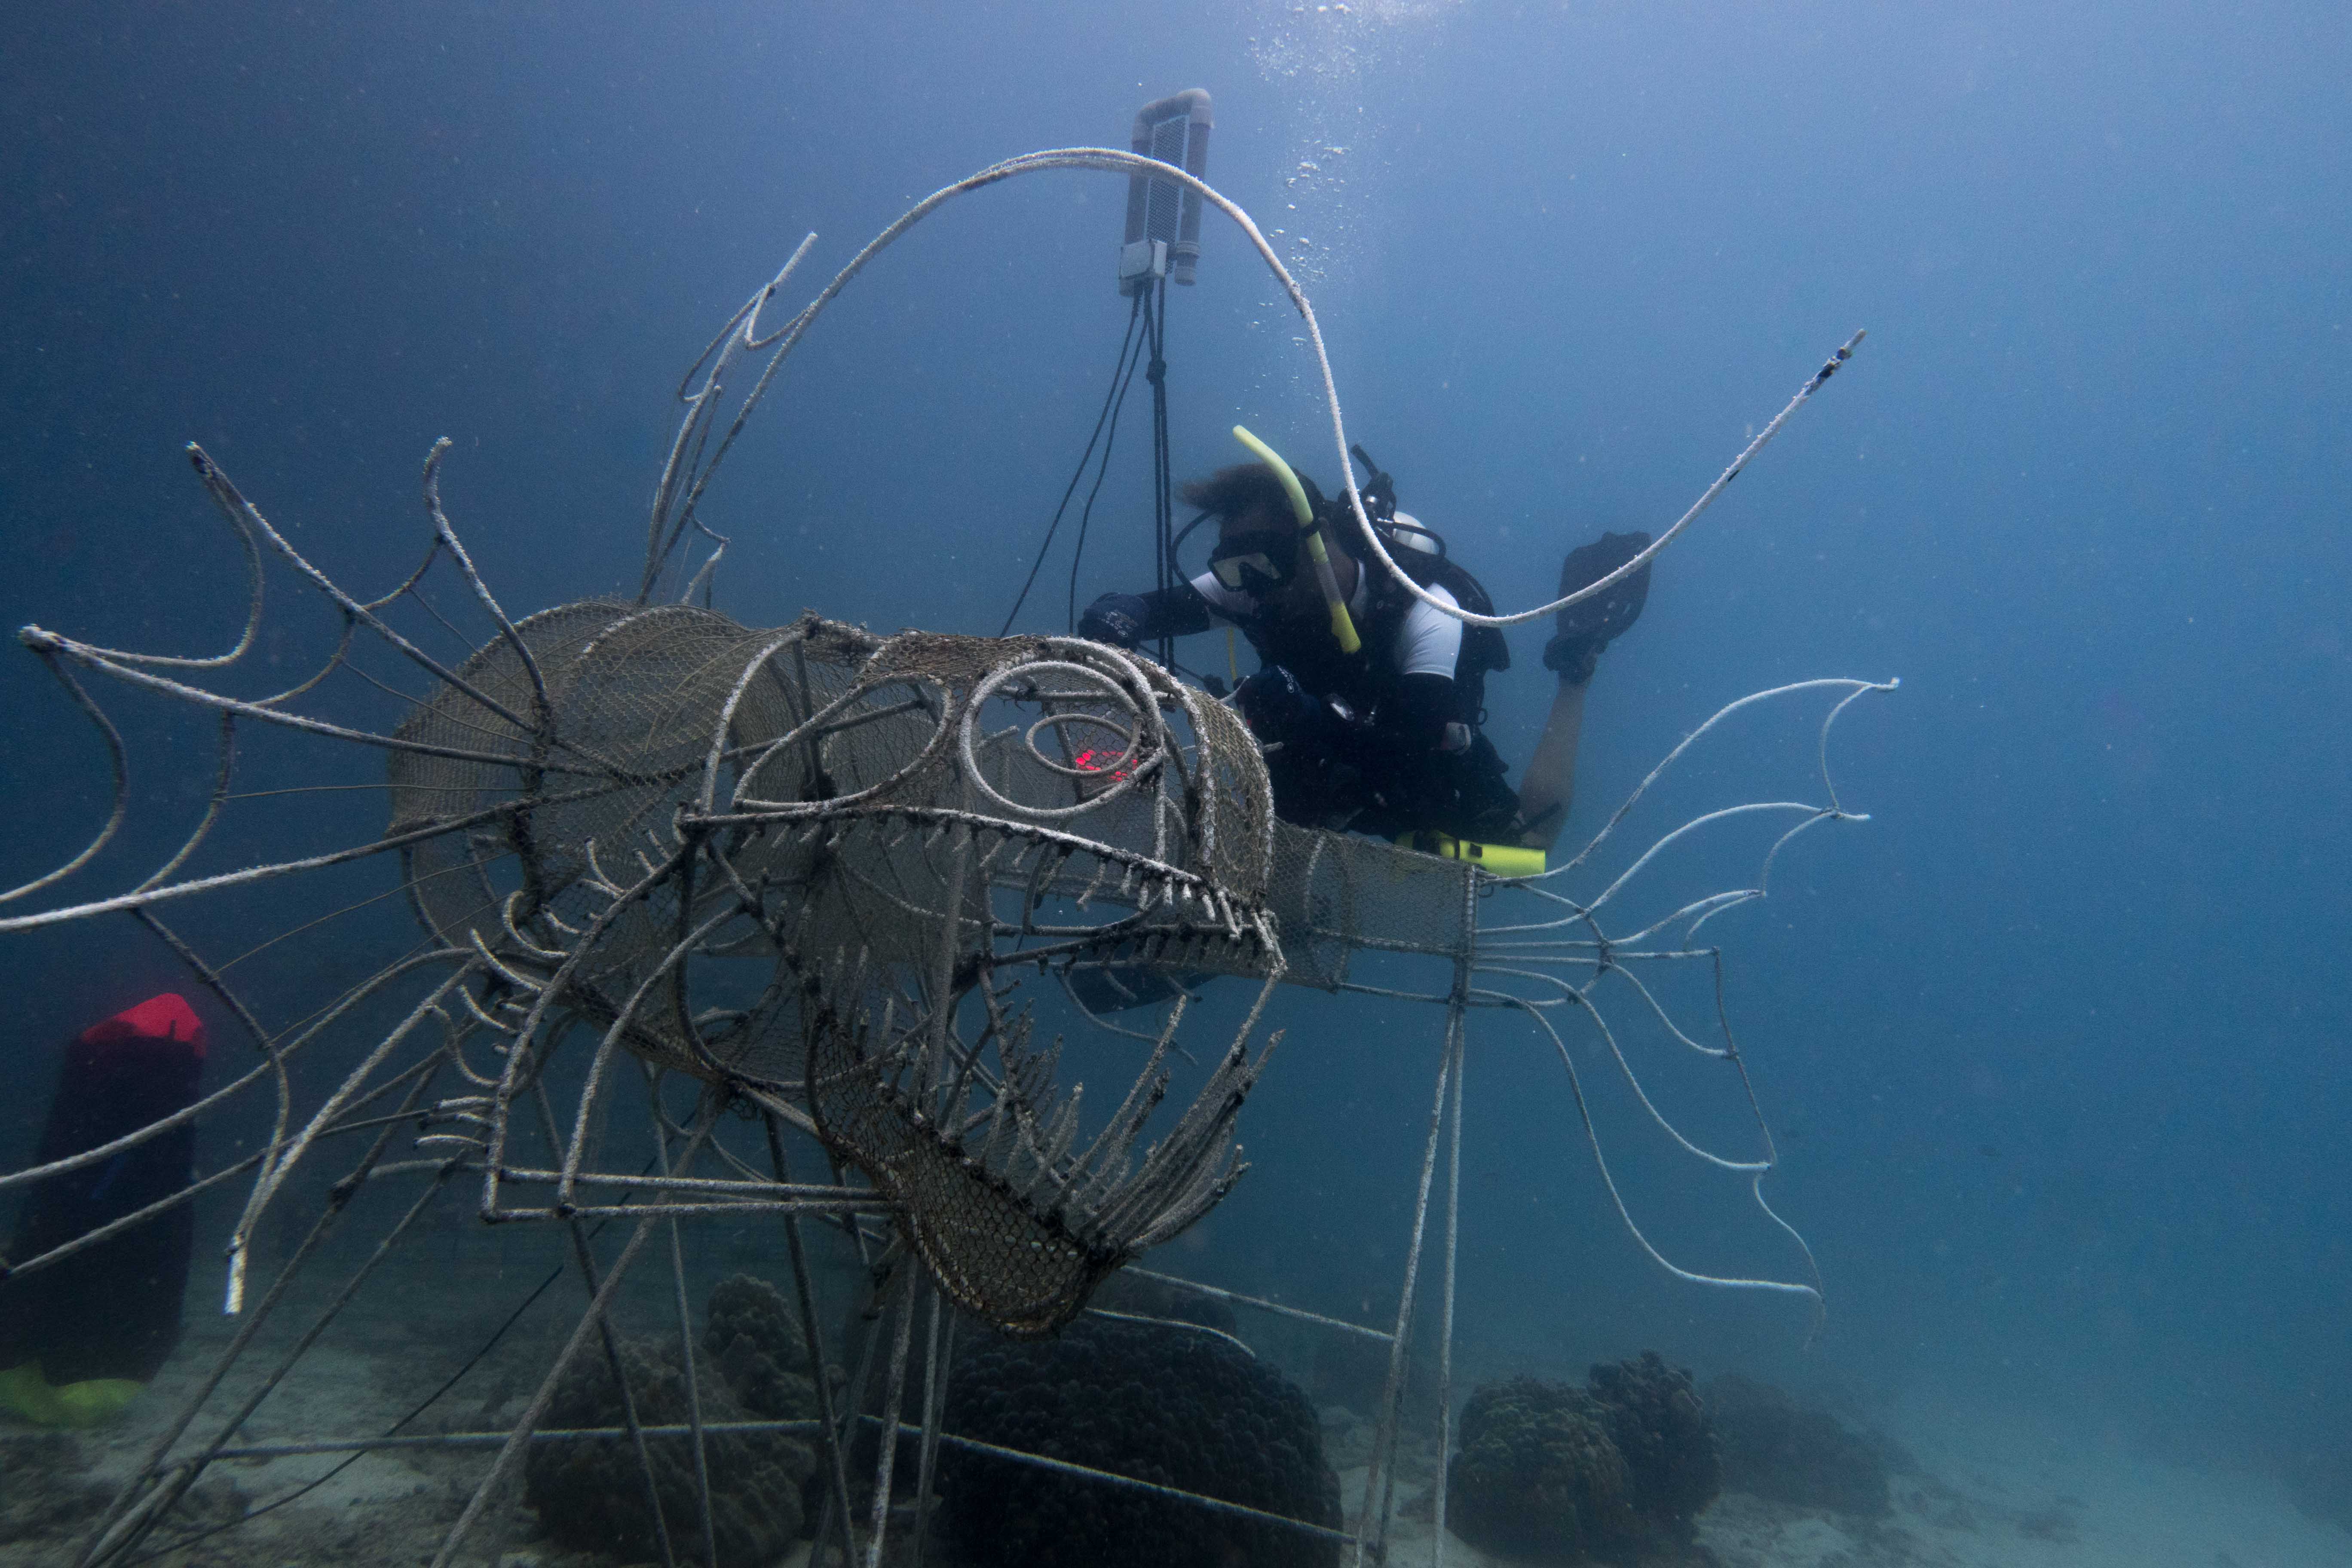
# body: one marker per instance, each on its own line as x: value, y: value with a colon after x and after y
x: 1429, y: 643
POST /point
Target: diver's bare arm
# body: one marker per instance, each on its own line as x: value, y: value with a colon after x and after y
x: 1549, y: 784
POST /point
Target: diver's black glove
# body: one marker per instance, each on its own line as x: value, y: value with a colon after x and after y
x: 1313, y: 745
x: 1281, y: 712
x: 1591, y: 625
x: 1116, y: 618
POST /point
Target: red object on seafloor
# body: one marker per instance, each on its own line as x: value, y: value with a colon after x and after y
x: 112, y: 1310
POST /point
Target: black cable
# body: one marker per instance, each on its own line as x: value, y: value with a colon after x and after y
x: 1086, y: 512
x: 1120, y: 372
x: 394, y: 1430
x: 1163, y: 510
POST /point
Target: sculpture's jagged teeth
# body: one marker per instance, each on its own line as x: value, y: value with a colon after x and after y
x: 597, y: 881
x: 989, y: 856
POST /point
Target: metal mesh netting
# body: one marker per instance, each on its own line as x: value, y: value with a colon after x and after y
x: 631, y: 698
x: 1334, y: 896
x: 1015, y: 1223
x: 793, y: 859
x: 834, y: 761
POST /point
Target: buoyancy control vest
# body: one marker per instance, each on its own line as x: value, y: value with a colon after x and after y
x: 1483, y: 650
x: 1303, y: 644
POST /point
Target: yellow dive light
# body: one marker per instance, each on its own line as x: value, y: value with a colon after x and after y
x: 1502, y: 859
x: 1343, y: 628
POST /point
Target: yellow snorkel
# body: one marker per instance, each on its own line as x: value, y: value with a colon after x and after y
x: 1343, y: 628
x: 1498, y: 859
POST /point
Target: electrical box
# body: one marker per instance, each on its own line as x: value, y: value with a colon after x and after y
x: 1163, y: 218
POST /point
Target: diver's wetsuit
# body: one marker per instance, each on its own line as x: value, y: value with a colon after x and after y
x: 1382, y: 741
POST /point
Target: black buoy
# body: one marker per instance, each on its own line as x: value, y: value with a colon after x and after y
x: 79, y: 1336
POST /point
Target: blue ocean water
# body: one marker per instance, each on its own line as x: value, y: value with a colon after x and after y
x: 2055, y: 1041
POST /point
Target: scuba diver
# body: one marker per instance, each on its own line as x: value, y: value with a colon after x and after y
x: 1378, y: 730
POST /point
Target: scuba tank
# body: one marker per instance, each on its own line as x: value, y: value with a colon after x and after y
x: 1421, y: 553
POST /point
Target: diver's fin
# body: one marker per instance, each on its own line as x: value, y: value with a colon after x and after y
x: 1587, y: 627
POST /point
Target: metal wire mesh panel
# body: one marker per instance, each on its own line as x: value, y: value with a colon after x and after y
x: 793, y: 860
x: 1334, y: 896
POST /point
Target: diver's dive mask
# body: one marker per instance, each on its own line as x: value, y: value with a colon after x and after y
x: 1259, y: 563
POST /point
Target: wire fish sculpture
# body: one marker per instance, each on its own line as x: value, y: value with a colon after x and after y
x: 809, y: 871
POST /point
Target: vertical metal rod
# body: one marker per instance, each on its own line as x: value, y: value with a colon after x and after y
x: 1458, y: 1031
x: 586, y: 1260
x: 612, y: 1347
x: 848, y: 1221
x: 936, y: 1361
x: 1377, y: 1493
x: 685, y: 1331
x: 893, y: 1398
x: 519, y: 1438
x: 876, y: 1316
x: 836, y: 1467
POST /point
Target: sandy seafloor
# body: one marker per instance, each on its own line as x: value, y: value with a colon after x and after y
x: 1994, y: 1488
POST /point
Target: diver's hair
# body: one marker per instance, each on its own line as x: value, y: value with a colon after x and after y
x: 1237, y: 491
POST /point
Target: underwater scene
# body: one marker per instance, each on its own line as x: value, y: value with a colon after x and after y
x: 1249, y: 784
